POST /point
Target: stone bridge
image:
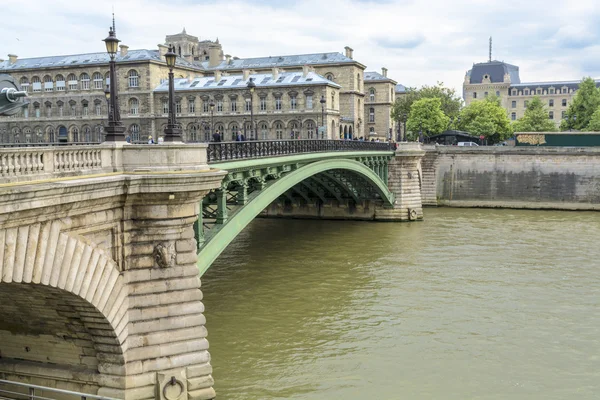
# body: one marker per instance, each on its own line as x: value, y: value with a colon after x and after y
x: 102, y: 248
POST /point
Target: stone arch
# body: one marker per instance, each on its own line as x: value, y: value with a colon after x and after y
x: 62, y: 289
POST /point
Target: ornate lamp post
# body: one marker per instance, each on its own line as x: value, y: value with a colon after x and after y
x: 212, y: 121
x: 115, y: 131
x: 323, y: 101
x: 172, y: 131
x: 251, y: 86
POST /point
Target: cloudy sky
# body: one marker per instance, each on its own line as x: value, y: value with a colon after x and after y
x: 419, y: 41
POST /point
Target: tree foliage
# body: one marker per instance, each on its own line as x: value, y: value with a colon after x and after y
x: 485, y: 117
x: 426, y: 114
x: 535, y: 118
x: 594, y: 125
x: 450, y: 102
x: 585, y: 102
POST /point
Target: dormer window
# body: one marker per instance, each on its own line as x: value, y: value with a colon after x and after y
x: 486, y: 76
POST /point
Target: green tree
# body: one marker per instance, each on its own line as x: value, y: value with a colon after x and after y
x: 535, y: 118
x: 450, y: 102
x: 594, y: 125
x: 585, y: 102
x: 427, y: 115
x: 485, y: 117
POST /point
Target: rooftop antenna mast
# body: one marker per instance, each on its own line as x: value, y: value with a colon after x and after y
x: 113, y: 15
x: 490, y: 60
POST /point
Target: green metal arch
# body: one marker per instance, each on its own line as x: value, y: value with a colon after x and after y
x: 239, y: 221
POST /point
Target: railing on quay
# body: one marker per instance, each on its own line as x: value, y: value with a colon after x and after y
x: 226, y: 151
x: 17, y: 390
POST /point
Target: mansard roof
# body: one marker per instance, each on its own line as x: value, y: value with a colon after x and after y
x: 495, y: 70
x: 281, y: 61
x: 85, y: 59
x: 238, y: 82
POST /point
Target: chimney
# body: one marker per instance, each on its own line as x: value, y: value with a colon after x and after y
x: 214, y: 55
x: 246, y: 74
x: 384, y: 71
x: 124, y: 49
x: 305, y: 70
x: 217, y: 76
x: 12, y: 58
x: 227, y: 59
x: 162, y: 50
x: 348, y: 51
x: 275, y: 72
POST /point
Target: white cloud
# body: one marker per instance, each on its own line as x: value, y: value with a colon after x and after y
x: 420, y: 42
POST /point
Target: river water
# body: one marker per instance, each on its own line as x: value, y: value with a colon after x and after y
x: 468, y: 304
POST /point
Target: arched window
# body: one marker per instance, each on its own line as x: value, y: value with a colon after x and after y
x: 358, y: 82
x: 179, y: 51
x: 98, y: 80
x: 279, y: 130
x: 134, y: 105
x: 36, y: 83
x: 193, y: 136
x: 371, y: 114
x: 72, y: 82
x: 75, y: 134
x: 264, y: 130
x: 24, y: 82
x: 99, y: 133
x: 48, y: 84
x: 294, y: 131
x: 220, y: 129
x: 50, y: 135
x: 27, y: 134
x: 329, y: 77
x: 310, y: 130
x: 234, y: 131
x: 134, y: 78
x: 87, y: 134
x: 107, y: 79
x: 85, y: 81
x: 16, y: 135
x: 207, y: 132
x: 60, y: 83
x: 371, y: 94
x: 134, y: 130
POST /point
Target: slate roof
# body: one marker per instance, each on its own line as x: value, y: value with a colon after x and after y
x: 375, y: 76
x: 400, y: 88
x: 85, y: 59
x: 496, y: 70
x: 545, y: 85
x: 280, y: 61
x: 238, y: 82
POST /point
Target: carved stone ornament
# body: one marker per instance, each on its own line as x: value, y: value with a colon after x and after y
x: 164, y: 255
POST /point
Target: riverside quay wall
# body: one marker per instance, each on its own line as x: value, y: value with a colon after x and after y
x: 566, y: 178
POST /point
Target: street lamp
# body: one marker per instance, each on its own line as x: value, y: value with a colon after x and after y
x: 172, y: 131
x: 115, y: 131
x: 212, y: 123
x: 323, y: 101
x: 251, y: 85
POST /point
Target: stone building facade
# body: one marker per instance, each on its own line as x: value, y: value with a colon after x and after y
x: 503, y: 80
x: 67, y: 101
x: 380, y: 95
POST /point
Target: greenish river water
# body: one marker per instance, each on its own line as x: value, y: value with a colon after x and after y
x: 468, y: 304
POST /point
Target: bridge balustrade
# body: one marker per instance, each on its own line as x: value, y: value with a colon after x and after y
x: 226, y: 151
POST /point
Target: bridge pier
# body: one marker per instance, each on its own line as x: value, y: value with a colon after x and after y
x: 99, y: 288
x: 404, y: 179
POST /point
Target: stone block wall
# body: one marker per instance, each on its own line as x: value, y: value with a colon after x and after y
x: 429, y: 170
x: 550, y: 178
